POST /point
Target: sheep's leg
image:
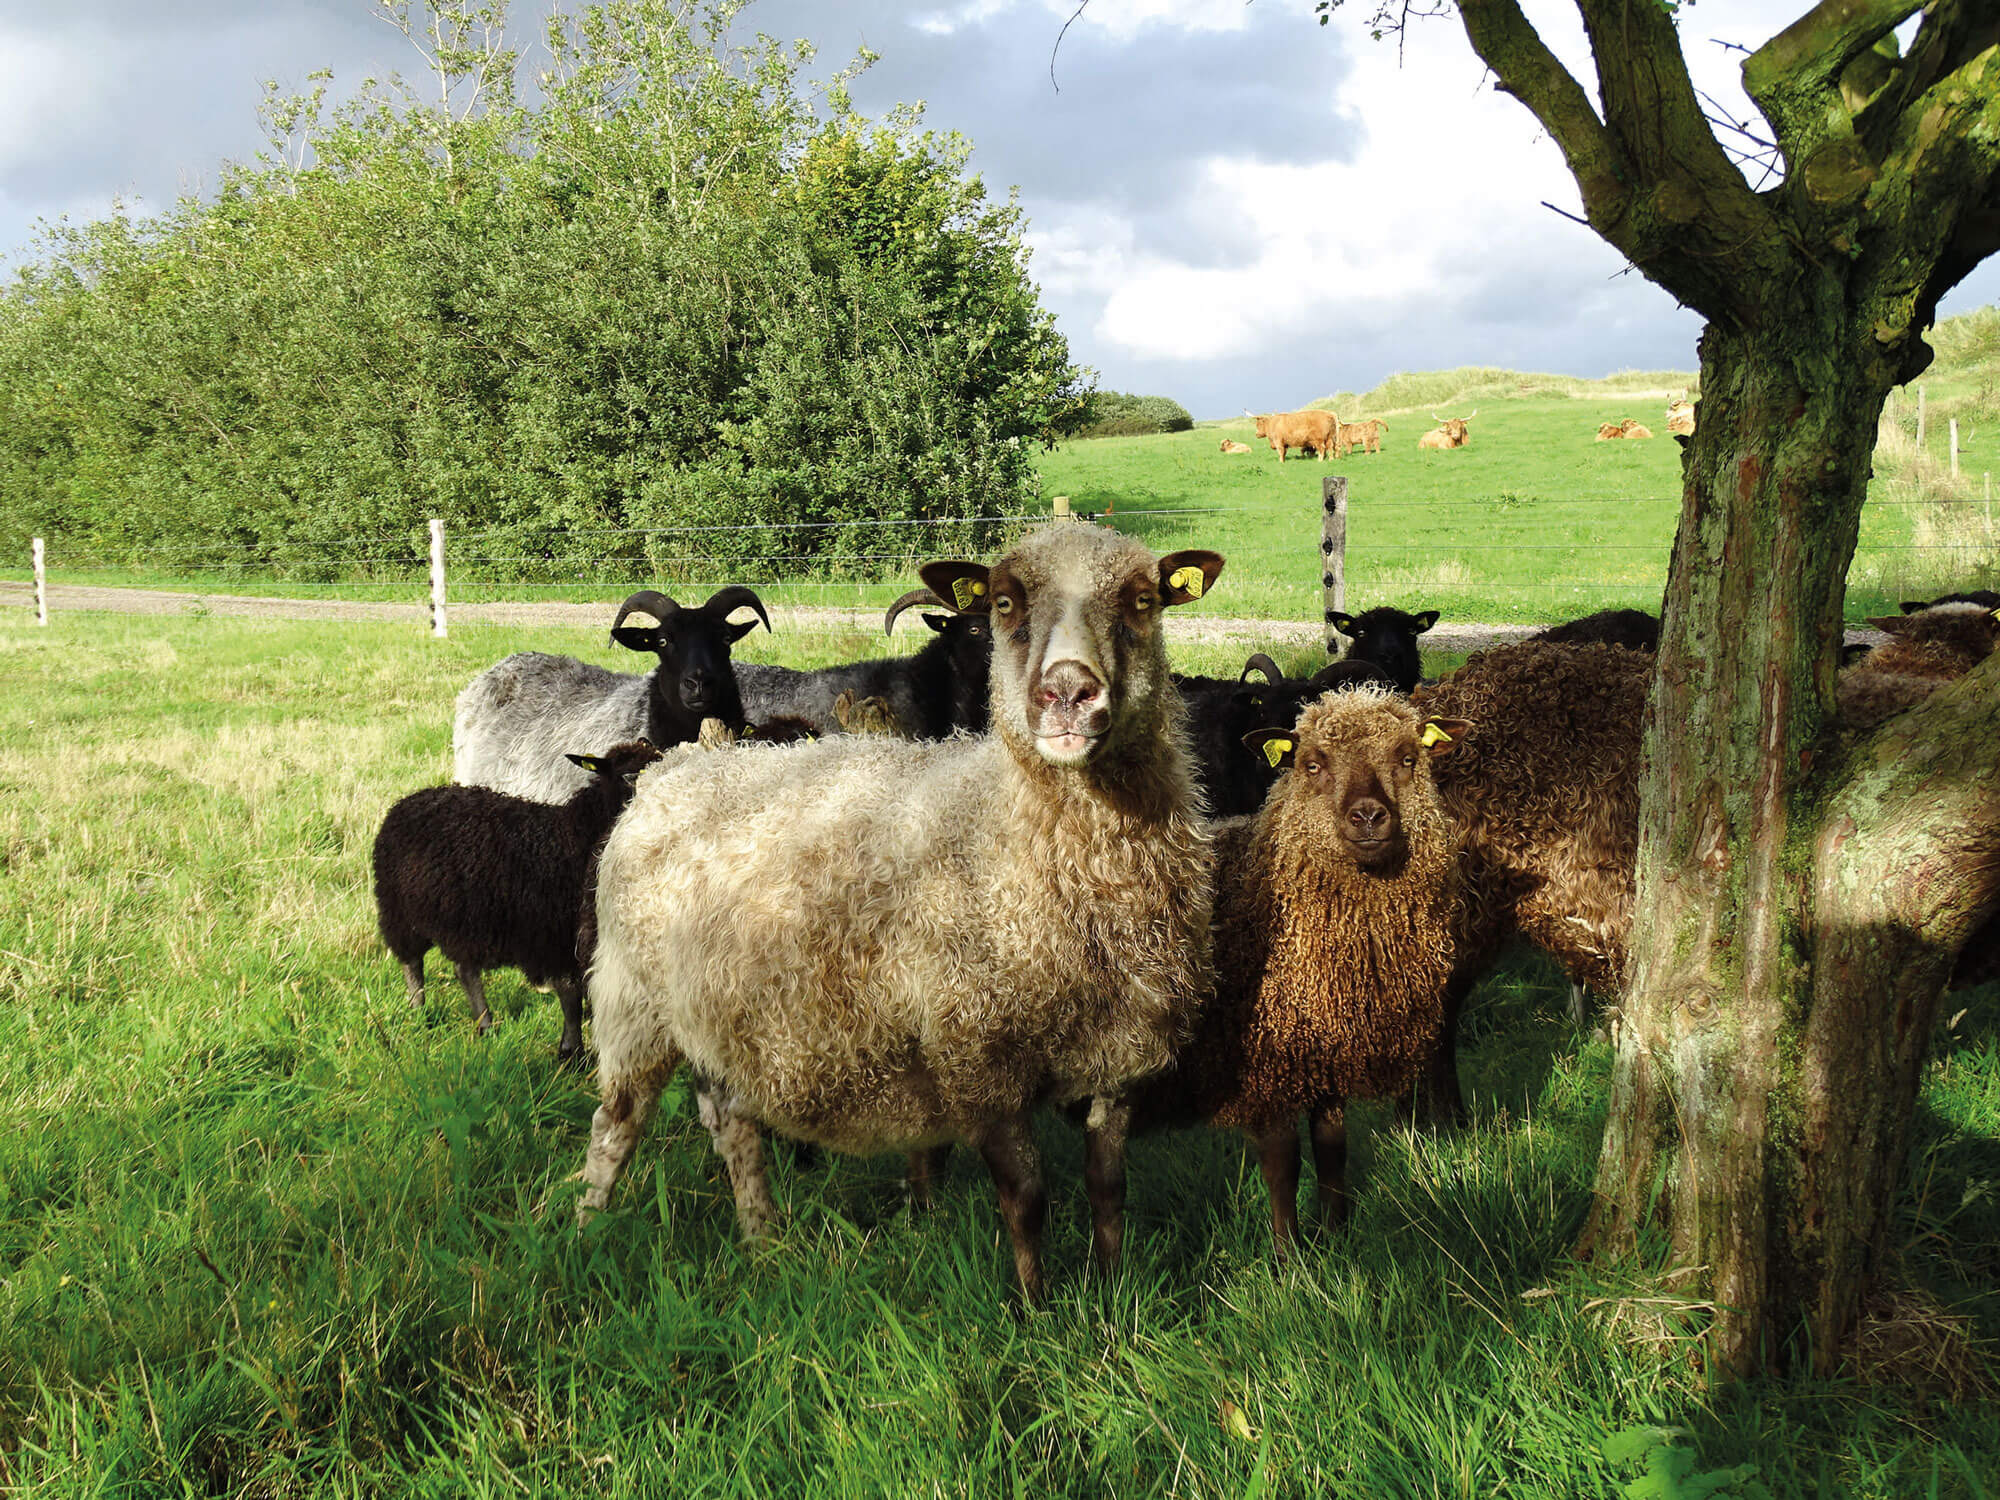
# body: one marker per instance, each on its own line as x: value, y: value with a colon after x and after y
x: 1278, y: 1160
x: 1008, y: 1147
x: 625, y: 1105
x: 1105, y: 1133
x: 1579, y: 1005
x: 475, y: 996
x: 413, y: 980
x: 1329, y: 1140
x: 569, y: 990
x: 926, y: 1167
x: 1438, y: 1100
x: 740, y: 1144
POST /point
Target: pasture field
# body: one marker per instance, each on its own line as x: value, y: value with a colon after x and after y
x: 265, y: 1231
x: 1534, y: 521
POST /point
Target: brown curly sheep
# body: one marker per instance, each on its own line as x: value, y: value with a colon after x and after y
x: 1925, y: 649
x: 1545, y: 795
x: 1333, y: 921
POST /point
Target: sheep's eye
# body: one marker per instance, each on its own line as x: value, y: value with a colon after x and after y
x: 1003, y: 605
x: 1144, y: 601
x: 1312, y: 768
x: 1409, y: 760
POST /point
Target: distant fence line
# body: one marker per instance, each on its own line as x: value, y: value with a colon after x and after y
x: 443, y: 565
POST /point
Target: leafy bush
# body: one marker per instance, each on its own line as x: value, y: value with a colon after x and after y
x: 1115, y: 414
x: 668, y: 294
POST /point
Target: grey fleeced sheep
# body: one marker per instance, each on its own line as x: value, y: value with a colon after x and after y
x: 517, y: 722
x: 1334, y: 915
x: 885, y: 945
x: 495, y: 881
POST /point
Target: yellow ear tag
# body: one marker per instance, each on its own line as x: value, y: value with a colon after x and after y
x: 1996, y: 614
x: 1274, y: 750
x: 1188, y: 580
x: 967, y: 591
x: 1431, y: 735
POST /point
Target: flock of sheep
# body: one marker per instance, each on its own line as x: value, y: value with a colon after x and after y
x: 1063, y: 877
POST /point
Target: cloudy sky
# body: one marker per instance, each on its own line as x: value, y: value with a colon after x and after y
x: 1228, y: 203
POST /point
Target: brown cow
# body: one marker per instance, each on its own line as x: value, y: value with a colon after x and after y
x: 1680, y: 417
x: 1449, y: 433
x: 1309, y: 431
x: 1635, y: 429
x: 1606, y: 431
x: 1229, y: 446
x: 1368, y: 435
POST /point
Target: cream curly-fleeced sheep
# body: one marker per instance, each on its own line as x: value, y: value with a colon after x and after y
x: 878, y: 945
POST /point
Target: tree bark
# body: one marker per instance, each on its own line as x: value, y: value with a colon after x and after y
x: 1800, y: 900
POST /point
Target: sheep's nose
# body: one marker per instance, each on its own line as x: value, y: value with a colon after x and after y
x: 696, y: 689
x: 1070, y: 685
x: 1369, y: 818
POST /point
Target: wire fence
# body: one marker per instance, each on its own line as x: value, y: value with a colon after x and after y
x: 1494, y: 558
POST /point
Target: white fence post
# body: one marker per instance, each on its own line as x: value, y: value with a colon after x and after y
x: 41, y: 587
x: 1954, y: 445
x: 1061, y: 510
x: 1920, y: 419
x: 437, y: 577
x: 1333, y: 553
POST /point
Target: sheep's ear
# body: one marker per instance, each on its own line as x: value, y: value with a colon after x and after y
x: 737, y: 632
x: 1442, y: 736
x: 1185, y: 576
x: 937, y: 622
x: 1340, y: 620
x: 637, y: 637
x: 1425, y: 620
x: 1890, y: 624
x: 1275, y: 746
x: 959, y: 585
x: 591, y: 763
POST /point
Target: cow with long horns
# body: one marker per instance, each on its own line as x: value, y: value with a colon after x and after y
x: 519, y: 720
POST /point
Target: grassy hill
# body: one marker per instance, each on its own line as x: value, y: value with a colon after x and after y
x: 1535, y: 520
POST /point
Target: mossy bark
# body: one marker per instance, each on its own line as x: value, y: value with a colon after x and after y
x: 1800, y: 898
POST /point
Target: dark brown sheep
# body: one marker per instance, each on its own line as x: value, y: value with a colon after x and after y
x: 1545, y: 796
x: 1333, y: 949
x: 1924, y: 650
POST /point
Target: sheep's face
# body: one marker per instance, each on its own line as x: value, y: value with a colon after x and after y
x: 1387, y: 637
x: 1079, y: 666
x: 1357, y: 761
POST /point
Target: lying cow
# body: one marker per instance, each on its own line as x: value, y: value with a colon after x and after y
x: 1229, y: 445
x: 1451, y: 432
x: 1680, y: 417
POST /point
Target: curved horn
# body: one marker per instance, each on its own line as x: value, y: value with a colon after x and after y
x: 646, y: 601
x: 1470, y: 415
x: 724, y: 602
x: 1262, y: 663
x: 915, y: 596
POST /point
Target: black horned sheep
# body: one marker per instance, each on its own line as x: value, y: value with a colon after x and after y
x: 1233, y: 776
x: 890, y: 945
x: 931, y: 694
x: 496, y: 881
x: 517, y: 721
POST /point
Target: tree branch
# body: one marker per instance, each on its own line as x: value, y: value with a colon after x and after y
x: 1949, y: 39
x: 1794, y: 78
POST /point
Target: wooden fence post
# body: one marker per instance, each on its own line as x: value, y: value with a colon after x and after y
x: 1061, y: 508
x: 1333, y: 553
x: 437, y: 577
x: 41, y: 586
x: 1954, y: 446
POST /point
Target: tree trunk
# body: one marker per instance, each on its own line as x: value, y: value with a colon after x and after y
x: 1795, y: 921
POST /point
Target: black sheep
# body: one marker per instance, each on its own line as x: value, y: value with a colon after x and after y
x: 1386, y: 636
x: 932, y: 694
x: 1633, y: 629
x: 495, y: 881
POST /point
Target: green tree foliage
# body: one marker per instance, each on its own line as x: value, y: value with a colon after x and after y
x: 674, y: 290
x: 1115, y: 414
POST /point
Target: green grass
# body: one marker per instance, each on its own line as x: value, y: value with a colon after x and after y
x: 265, y: 1231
